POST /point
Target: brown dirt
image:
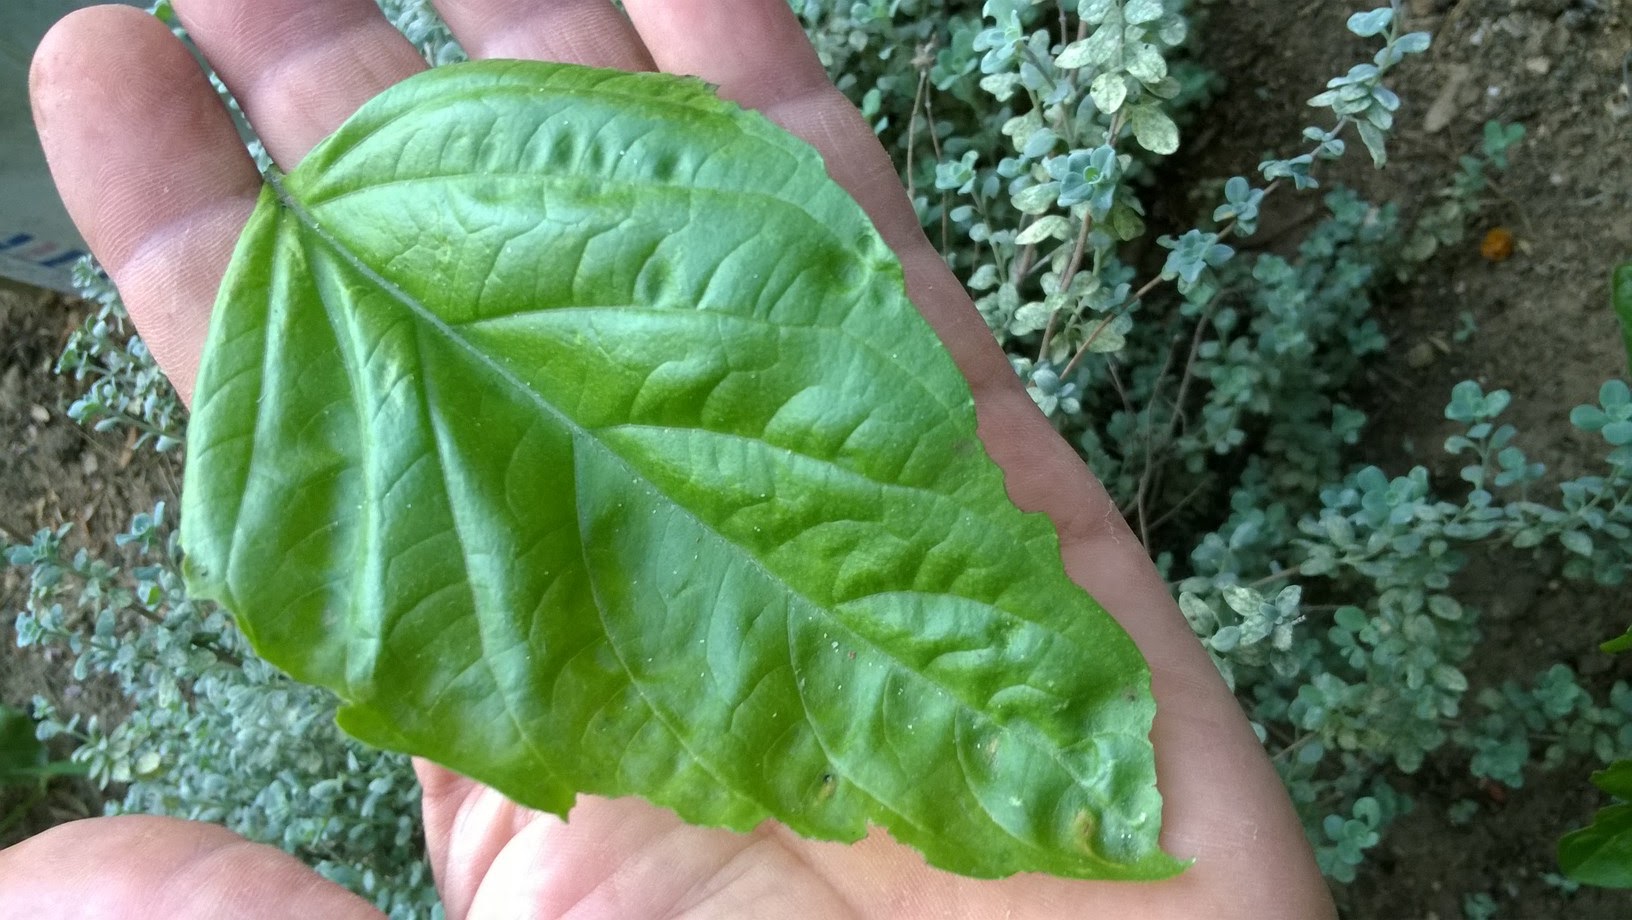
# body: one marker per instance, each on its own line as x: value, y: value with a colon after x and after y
x: 53, y: 472
x: 1544, y: 332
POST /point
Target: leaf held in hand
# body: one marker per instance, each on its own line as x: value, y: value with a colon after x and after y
x: 1601, y: 852
x: 575, y: 428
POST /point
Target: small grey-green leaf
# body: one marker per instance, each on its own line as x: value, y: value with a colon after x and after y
x: 1413, y: 43
x: 1139, y: 12
x: 1053, y: 226
x: 1035, y: 199
x: 576, y: 430
x: 1109, y: 90
x: 1095, y: 11
x: 1577, y: 542
x: 1145, y: 63
x: 1153, y: 129
x: 1074, y: 56
x: 1375, y: 141
x: 1371, y: 22
x: 1104, y: 47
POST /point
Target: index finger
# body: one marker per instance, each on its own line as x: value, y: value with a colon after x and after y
x: 150, y: 166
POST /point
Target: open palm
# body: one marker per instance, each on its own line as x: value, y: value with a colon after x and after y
x: 154, y: 173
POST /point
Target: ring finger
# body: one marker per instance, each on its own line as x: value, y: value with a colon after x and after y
x: 590, y: 32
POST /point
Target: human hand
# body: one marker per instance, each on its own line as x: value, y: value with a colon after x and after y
x: 156, y: 178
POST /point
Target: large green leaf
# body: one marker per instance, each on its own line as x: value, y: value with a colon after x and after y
x: 21, y: 753
x: 577, y: 431
x: 1601, y: 852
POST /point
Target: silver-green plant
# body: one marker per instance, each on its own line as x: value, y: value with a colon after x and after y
x: 214, y: 733
x: 123, y: 387
x: 1215, y: 390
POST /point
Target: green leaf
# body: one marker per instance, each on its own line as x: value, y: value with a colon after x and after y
x: 1617, y: 645
x: 1153, y: 129
x: 1600, y: 853
x: 576, y: 430
x: 21, y: 753
x: 1095, y: 11
x: 1621, y: 302
x: 1615, y: 779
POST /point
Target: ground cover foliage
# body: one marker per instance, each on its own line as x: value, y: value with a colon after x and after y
x: 1213, y: 382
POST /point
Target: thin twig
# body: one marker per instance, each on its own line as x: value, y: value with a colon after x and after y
x: 912, y: 136
x: 1288, y: 572
x: 1133, y: 298
x: 1071, y: 269
x: 1139, y: 496
x: 1147, y: 476
x: 1075, y: 265
x: 1308, y: 737
x: 1169, y: 513
x: 935, y: 145
x: 1189, y: 374
x: 1048, y: 336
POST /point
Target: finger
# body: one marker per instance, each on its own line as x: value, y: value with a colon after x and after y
x: 448, y: 804
x: 299, y: 68
x: 589, y: 32
x: 150, y: 167
x: 145, y: 868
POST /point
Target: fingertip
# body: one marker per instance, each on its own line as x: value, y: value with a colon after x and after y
x: 57, y: 78
x: 125, y: 116
x: 67, y: 33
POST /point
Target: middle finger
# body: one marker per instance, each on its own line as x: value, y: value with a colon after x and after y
x: 299, y: 67
x: 590, y: 32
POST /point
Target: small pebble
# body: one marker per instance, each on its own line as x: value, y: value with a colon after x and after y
x: 39, y: 414
x: 1497, y: 246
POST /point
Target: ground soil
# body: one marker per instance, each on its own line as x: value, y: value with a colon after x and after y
x: 54, y: 472
x: 1543, y: 331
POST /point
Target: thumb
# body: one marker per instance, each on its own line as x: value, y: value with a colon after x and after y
x: 147, y: 868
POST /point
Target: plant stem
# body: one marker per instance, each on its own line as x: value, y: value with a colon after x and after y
x: 912, y: 135
x: 1071, y: 269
